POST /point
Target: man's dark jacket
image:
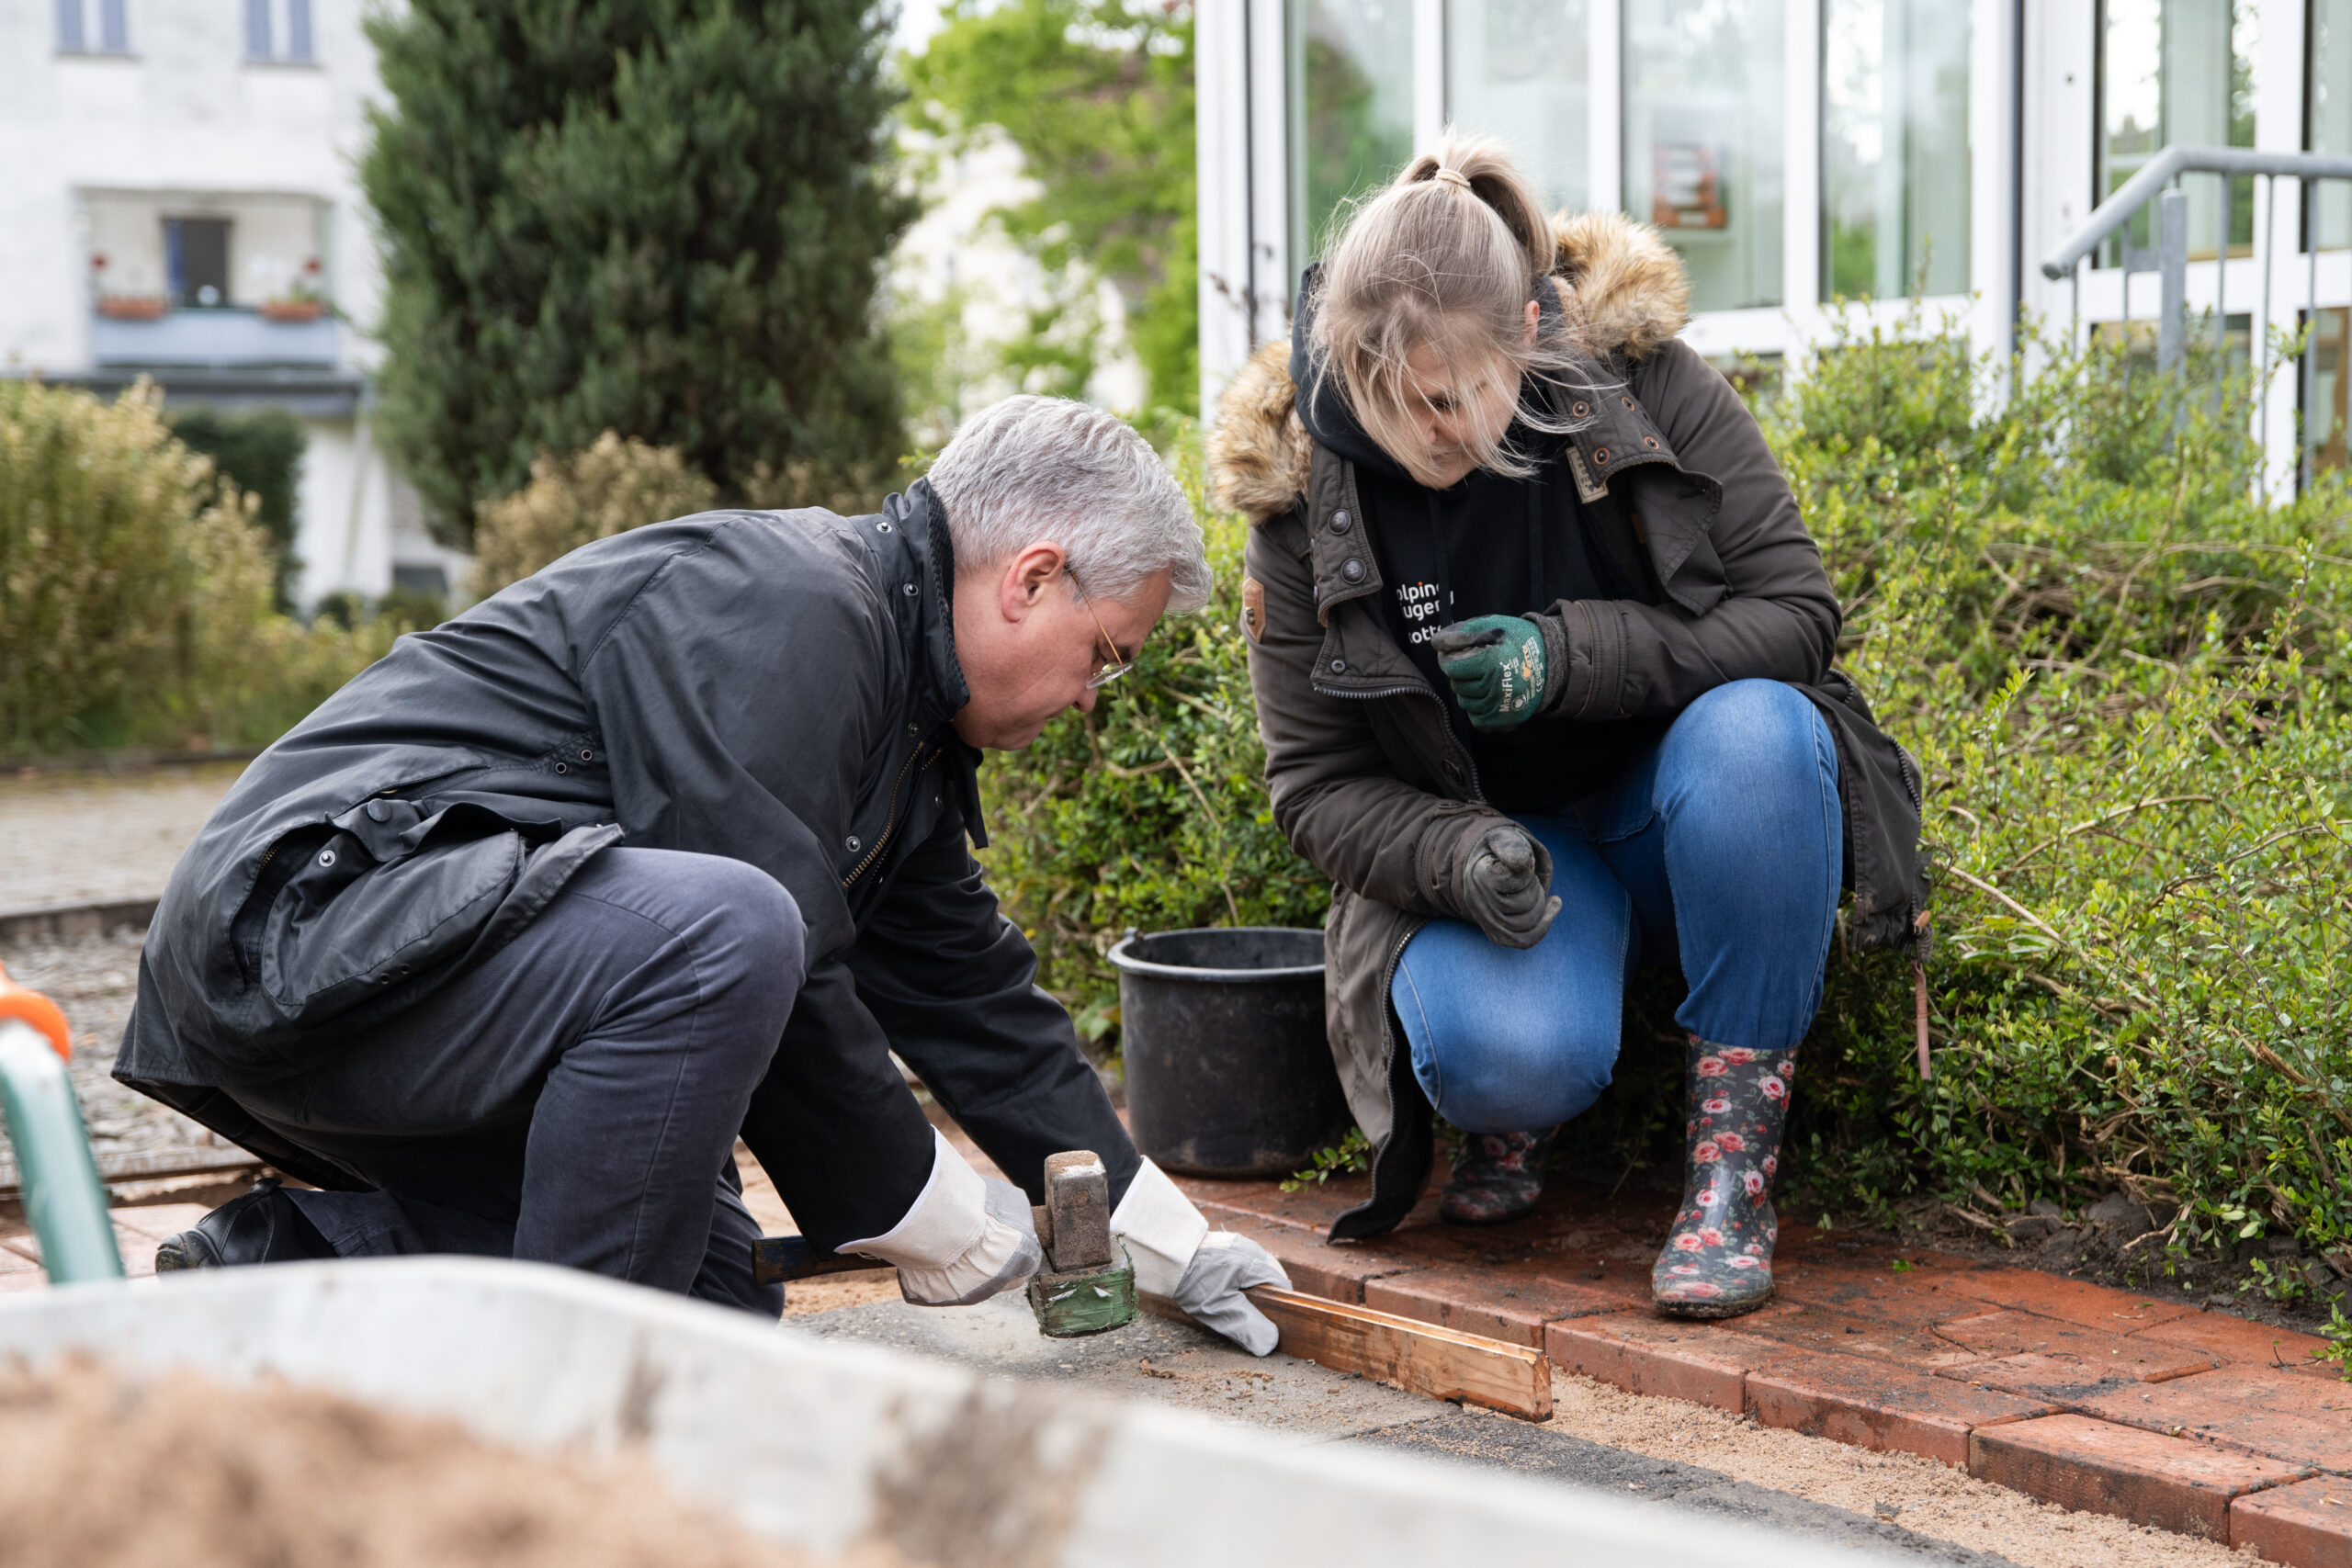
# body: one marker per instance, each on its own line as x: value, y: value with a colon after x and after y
x: 774, y: 687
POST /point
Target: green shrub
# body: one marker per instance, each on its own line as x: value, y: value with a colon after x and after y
x: 260, y: 452
x: 2124, y: 673
x: 611, y: 487
x: 1098, y: 95
x: 136, y: 591
x: 2127, y: 677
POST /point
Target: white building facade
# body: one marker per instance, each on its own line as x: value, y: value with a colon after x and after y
x: 178, y: 200
x: 1801, y: 153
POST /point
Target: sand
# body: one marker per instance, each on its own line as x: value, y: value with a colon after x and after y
x: 1917, y: 1493
x: 827, y: 1292
x: 97, y: 1471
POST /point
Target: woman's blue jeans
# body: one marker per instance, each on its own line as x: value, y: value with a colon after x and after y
x: 1721, y: 850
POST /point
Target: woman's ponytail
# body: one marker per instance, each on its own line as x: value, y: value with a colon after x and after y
x: 1447, y: 257
x: 1480, y: 168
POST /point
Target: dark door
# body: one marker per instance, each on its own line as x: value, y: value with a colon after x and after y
x: 196, y: 256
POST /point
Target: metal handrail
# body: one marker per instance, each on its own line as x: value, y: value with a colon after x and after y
x: 2170, y: 165
x: 2149, y: 183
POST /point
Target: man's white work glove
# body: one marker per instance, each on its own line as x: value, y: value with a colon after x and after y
x: 1205, y: 1272
x: 965, y: 1238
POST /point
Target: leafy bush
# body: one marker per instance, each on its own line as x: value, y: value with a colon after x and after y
x: 136, y: 589
x: 608, y: 488
x: 2124, y: 673
x: 260, y: 452
x: 1098, y: 95
x: 2129, y: 678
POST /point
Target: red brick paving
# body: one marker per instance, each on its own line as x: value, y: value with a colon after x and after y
x: 2235, y: 1339
x: 1918, y: 1296
x: 2115, y: 1401
x: 1335, y: 1272
x: 1873, y: 1405
x: 1818, y: 1330
x: 1642, y: 1353
x: 2285, y: 1416
x: 2144, y: 1477
x: 2067, y: 1381
x: 2011, y: 1332
x: 1510, y: 1306
x: 2071, y: 1301
x: 2308, y: 1524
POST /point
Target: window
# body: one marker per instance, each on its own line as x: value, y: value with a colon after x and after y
x: 2177, y: 73
x: 278, y: 31
x: 1703, y: 138
x: 1893, y: 149
x: 93, y: 27
x: 1517, y: 69
x: 2323, y: 393
x: 1350, y: 106
x: 2328, y: 114
x: 196, y: 261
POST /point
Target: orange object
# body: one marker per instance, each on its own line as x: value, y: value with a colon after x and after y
x: 32, y: 1006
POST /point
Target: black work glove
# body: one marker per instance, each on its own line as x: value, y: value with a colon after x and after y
x: 1504, y: 884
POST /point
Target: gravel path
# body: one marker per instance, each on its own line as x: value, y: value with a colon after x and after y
x: 94, y: 980
x: 91, y: 838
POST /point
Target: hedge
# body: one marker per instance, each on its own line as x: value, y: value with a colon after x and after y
x: 138, y: 591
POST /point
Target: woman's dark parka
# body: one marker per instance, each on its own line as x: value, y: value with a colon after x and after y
x: 1368, y: 781
x: 773, y: 687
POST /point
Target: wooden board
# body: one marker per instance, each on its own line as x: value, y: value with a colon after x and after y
x: 1420, y: 1358
x: 151, y: 1167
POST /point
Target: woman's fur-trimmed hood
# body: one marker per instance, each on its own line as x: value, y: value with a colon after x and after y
x: 1625, y: 293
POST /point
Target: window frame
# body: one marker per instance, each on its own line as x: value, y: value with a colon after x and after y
x: 113, y: 32
x: 273, y: 27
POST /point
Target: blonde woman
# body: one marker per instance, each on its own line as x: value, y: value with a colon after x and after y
x: 1541, y: 652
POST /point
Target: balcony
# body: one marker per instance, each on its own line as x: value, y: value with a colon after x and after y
x: 222, y: 338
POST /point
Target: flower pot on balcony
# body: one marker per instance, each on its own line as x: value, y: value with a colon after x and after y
x: 133, y: 307
x: 295, y: 309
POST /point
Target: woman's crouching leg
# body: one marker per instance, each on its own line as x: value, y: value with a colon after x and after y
x: 1508, y: 1043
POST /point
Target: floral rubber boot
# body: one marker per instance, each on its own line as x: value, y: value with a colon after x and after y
x: 1718, y: 1258
x: 1498, y: 1178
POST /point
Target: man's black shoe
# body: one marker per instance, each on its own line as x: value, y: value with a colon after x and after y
x: 263, y: 1226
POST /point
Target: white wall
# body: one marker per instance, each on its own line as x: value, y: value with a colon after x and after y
x: 356, y: 518
x: 183, y: 111
x: 90, y: 143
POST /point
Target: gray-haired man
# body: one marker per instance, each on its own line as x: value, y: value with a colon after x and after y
x: 504, y: 945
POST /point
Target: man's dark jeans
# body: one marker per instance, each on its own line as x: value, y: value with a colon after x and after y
x: 574, y: 1100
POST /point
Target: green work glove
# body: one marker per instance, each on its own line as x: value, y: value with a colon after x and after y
x: 1495, y: 663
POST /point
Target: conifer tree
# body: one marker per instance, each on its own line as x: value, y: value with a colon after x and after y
x: 665, y: 218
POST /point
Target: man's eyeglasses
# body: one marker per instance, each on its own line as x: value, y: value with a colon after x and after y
x: 1115, y: 664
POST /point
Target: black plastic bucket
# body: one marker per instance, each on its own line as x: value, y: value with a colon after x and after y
x: 1221, y: 1032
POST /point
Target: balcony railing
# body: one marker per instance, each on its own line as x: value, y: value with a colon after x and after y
x: 211, y: 339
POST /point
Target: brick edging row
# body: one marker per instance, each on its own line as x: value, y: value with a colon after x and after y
x: 2189, y: 1459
